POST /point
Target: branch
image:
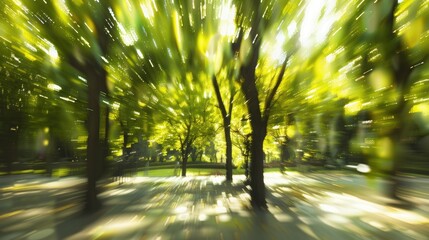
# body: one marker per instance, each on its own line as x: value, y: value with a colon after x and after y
x: 236, y: 45
x: 181, y: 141
x: 219, y: 97
x: 231, y: 103
x: 238, y: 132
x: 270, y: 97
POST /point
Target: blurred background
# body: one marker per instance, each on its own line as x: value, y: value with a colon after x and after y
x: 103, y: 89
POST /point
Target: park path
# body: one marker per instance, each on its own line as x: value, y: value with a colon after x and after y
x: 310, y: 206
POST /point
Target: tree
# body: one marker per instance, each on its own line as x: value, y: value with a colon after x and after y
x: 185, y: 118
x: 393, y: 74
x: 220, y: 65
x: 26, y: 71
x: 248, y: 82
x: 226, y: 117
x: 12, y: 110
x: 81, y: 33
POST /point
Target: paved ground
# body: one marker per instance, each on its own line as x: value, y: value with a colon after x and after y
x: 310, y: 206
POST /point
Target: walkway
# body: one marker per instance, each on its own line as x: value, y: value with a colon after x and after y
x: 312, y: 206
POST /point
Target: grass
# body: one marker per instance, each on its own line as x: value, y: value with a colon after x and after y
x: 164, y: 172
x: 61, y: 172
x: 169, y: 172
x: 24, y: 172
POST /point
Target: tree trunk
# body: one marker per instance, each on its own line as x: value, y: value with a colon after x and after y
x: 51, y: 153
x: 259, y: 129
x: 228, y: 142
x: 104, y: 144
x: 125, y: 137
x: 226, y: 116
x: 10, y: 127
x: 257, y: 122
x: 184, y: 163
x: 395, y: 52
x: 11, y: 150
x: 257, y: 172
x: 95, y: 76
x: 105, y: 148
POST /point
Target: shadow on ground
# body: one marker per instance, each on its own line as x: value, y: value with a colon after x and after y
x: 207, y: 208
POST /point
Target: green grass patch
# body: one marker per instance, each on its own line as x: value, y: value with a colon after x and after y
x: 156, y: 172
x: 60, y: 172
x: 163, y: 172
x: 266, y: 170
x: 170, y: 172
x: 24, y: 171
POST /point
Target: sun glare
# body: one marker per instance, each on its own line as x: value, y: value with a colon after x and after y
x: 128, y: 37
x: 318, y: 19
x: 226, y: 14
x: 53, y: 54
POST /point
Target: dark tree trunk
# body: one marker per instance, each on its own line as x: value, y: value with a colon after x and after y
x: 256, y: 149
x: 104, y: 143
x: 257, y: 172
x: 258, y: 135
x: 51, y: 153
x: 184, y: 163
x: 257, y: 122
x: 395, y: 53
x: 95, y: 78
x: 105, y: 148
x: 226, y: 116
x: 96, y: 75
x: 11, y: 150
x: 125, y: 141
x: 228, y: 143
x: 185, y: 148
x: 10, y: 123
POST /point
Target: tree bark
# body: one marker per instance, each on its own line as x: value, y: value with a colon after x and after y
x: 395, y: 54
x: 226, y: 116
x: 228, y: 142
x: 258, y: 119
x: 258, y: 125
x: 256, y: 151
x: 184, y: 163
x: 186, y: 147
x: 258, y: 135
x: 105, y: 145
x: 95, y: 77
x: 11, y: 149
x: 105, y: 148
x: 11, y: 121
x: 125, y: 138
x: 257, y: 172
